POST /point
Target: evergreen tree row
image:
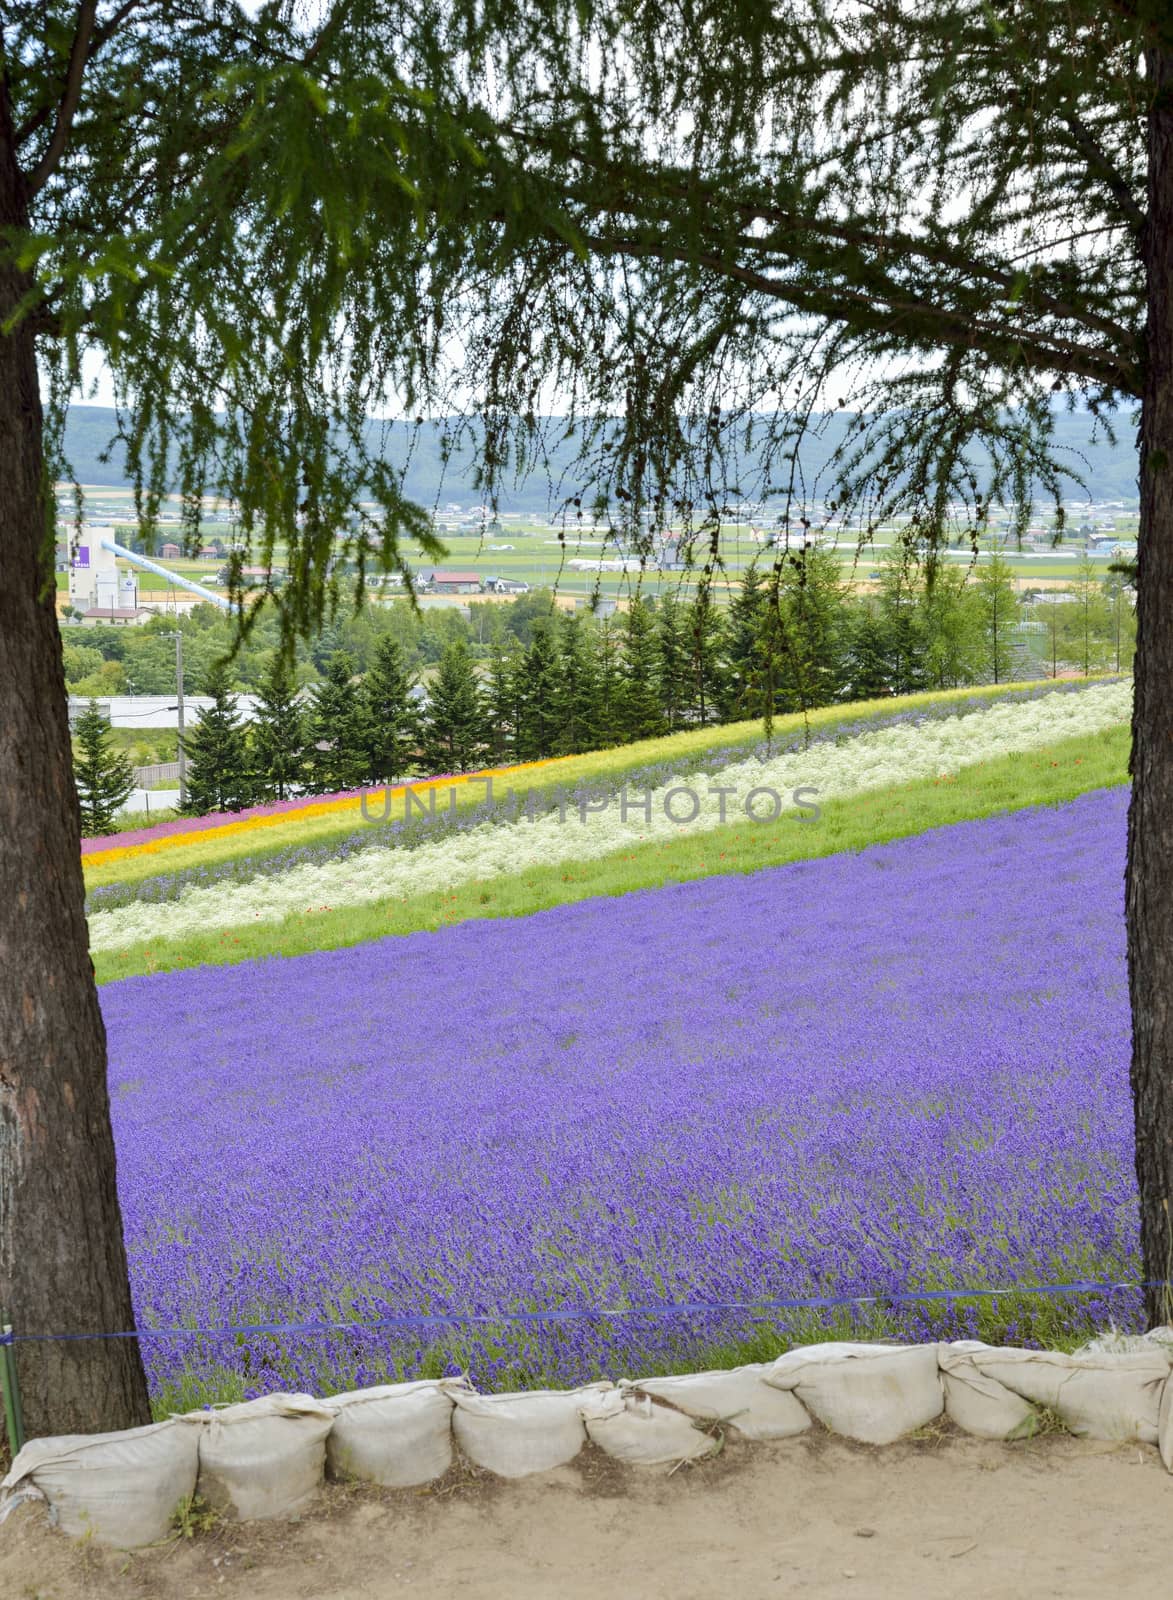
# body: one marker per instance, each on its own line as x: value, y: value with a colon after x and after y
x: 348, y: 734
x: 792, y: 638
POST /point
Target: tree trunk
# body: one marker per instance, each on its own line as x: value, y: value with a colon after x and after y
x: 62, y: 1258
x: 1150, y: 818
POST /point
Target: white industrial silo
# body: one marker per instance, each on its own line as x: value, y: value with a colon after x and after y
x: 93, y: 575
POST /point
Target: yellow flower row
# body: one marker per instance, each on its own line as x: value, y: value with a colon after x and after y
x: 318, y: 808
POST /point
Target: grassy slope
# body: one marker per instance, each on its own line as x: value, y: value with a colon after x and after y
x: 609, y: 765
x: 1047, y: 777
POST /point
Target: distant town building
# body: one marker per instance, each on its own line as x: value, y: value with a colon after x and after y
x: 252, y: 576
x: 94, y: 580
x: 445, y: 582
x: 154, y: 710
x: 120, y: 616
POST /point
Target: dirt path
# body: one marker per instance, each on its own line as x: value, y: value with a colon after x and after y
x: 941, y: 1518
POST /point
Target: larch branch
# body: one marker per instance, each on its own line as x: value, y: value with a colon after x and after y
x: 78, y: 57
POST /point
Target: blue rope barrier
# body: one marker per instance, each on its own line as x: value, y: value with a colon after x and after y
x: 411, y: 1322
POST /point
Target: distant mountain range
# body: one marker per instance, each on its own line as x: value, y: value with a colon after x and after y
x: 1109, y: 471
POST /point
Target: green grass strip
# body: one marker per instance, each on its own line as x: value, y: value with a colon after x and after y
x: 1010, y: 1319
x: 1047, y: 776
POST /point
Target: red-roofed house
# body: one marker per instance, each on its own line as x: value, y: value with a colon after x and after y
x: 456, y: 582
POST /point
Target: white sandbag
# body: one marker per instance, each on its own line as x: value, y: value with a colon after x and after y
x: 1097, y: 1395
x: 263, y: 1458
x: 1165, y: 1425
x: 1116, y: 1343
x: 516, y: 1434
x: 976, y: 1401
x: 738, y: 1396
x: 643, y: 1432
x: 123, y: 1488
x: 398, y: 1434
x: 871, y: 1392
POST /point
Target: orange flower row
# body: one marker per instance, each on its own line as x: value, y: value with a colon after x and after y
x: 319, y: 808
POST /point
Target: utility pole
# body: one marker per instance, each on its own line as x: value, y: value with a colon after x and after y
x: 179, y: 709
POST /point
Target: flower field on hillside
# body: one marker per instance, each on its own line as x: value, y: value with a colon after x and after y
x: 214, y: 828
x: 241, y: 842
x: 358, y: 871
x: 867, y: 1074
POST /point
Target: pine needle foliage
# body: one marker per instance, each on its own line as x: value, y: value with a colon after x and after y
x: 219, y: 767
x: 700, y: 223
x: 102, y: 775
x: 278, y: 736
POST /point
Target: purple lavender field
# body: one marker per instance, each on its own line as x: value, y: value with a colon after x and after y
x: 859, y: 1075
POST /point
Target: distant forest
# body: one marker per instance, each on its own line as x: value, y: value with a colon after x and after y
x: 1109, y: 472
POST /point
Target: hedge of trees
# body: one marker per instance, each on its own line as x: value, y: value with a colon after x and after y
x: 942, y: 638
x: 527, y: 680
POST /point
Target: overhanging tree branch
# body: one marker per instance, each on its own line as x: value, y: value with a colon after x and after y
x: 78, y: 56
x: 916, y: 321
x: 1101, y: 163
x: 100, y: 37
x: 635, y: 192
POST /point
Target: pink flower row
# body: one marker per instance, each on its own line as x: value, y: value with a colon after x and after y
x: 218, y: 819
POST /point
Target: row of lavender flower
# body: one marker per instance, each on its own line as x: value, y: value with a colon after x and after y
x: 587, y: 825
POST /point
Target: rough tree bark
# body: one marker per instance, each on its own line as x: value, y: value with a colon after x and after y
x: 62, y: 1258
x: 1149, y: 895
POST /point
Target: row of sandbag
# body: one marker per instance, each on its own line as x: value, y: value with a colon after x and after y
x: 266, y: 1458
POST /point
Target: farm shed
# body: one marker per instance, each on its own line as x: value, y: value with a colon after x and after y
x: 456, y: 582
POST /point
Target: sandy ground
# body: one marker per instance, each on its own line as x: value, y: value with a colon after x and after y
x: 943, y: 1517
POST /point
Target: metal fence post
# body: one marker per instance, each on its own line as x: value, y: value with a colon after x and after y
x: 13, y: 1419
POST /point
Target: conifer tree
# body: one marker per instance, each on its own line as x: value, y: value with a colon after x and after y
x: 609, y: 722
x: 1120, y: 599
x: 101, y: 773
x: 672, y: 664
x: 389, y: 715
x: 954, y: 643
x: 277, y: 736
x: 454, y: 724
x: 325, y: 645
x: 707, y: 675
x: 336, y: 758
x: 576, y: 691
x: 219, y: 767
x: 1052, y: 633
x: 1085, y: 620
x: 806, y: 657
x: 744, y: 644
x: 537, y: 695
x: 868, y: 664
x: 1000, y: 611
x: 902, y: 615
x: 640, y: 711
x: 501, y: 698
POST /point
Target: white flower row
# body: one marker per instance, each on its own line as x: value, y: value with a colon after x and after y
x: 794, y: 781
